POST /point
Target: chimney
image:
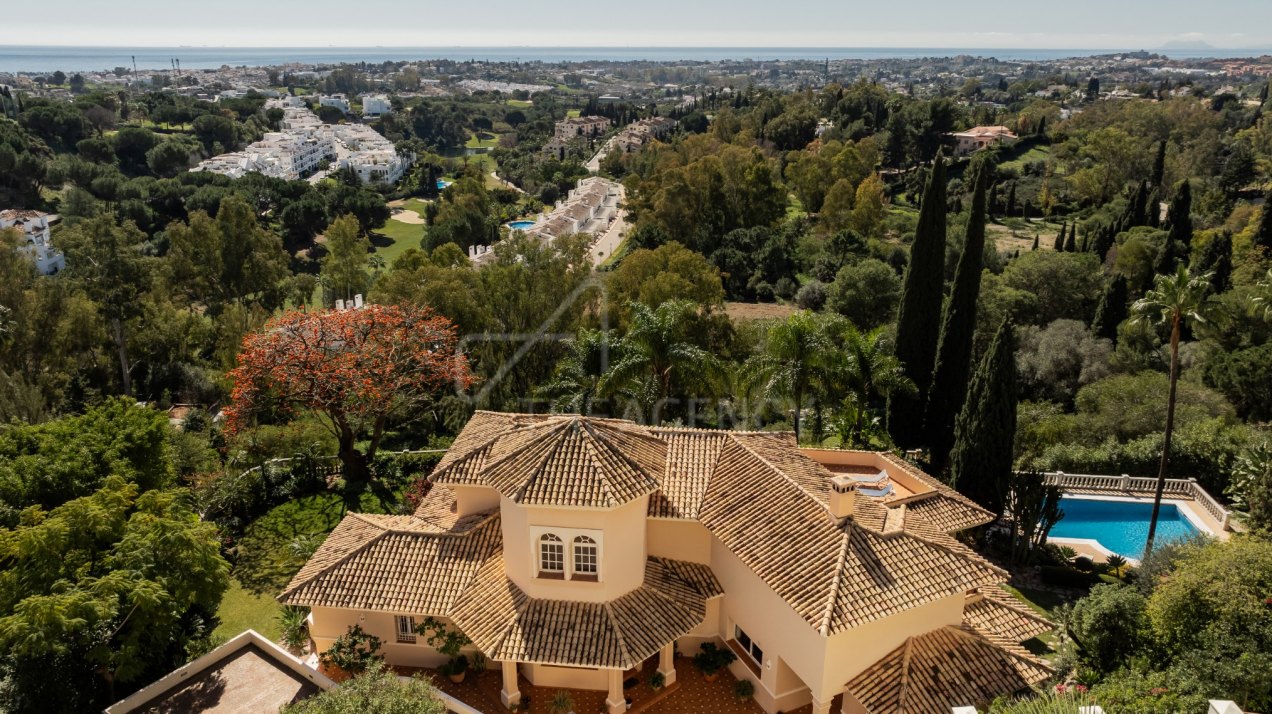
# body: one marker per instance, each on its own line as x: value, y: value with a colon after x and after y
x: 843, y: 496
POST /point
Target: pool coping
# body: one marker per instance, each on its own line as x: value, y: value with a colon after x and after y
x: 1185, y: 507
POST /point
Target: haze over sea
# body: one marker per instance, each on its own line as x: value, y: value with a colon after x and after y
x: 35, y: 58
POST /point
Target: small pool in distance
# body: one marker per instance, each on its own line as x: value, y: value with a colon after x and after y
x: 442, y: 184
x: 521, y: 225
x: 1120, y: 526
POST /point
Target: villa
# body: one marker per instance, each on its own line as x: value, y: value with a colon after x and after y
x: 36, y: 241
x: 982, y: 137
x: 572, y: 550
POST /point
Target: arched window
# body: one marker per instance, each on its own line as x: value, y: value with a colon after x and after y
x: 551, y: 556
x: 585, y: 558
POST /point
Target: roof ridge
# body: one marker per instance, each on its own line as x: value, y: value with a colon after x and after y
x: 825, y: 507
x: 628, y: 657
x: 904, y: 690
x: 837, y: 582
x: 559, y: 435
x: 1004, y: 646
x: 594, y: 434
x: 1017, y: 608
x: 548, y: 425
x: 938, y: 485
x: 590, y: 442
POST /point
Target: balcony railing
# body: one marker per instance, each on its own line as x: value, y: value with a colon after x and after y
x: 1188, y: 488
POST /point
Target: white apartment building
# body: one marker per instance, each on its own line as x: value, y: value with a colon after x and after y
x: 36, y: 240
x: 339, y: 101
x: 304, y: 142
x: 376, y: 106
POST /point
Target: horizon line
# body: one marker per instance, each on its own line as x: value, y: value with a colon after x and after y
x: 634, y: 47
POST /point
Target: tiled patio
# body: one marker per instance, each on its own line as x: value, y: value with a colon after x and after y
x: 690, y: 694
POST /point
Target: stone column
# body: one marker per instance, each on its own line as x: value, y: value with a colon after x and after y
x: 510, y: 695
x: 615, y: 703
x: 667, y: 664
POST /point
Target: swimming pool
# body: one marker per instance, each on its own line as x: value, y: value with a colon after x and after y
x: 521, y: 225
x: 442, y: 184
x: 1120, y: 526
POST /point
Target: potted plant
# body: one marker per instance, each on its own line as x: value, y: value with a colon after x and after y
x: 744, y: 689
x: 657, y: 681
x: 448, y: 642
x: 712, y: 659
x: 294, y: 623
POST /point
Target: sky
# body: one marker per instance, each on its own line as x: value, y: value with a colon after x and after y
x: 1042, y: 24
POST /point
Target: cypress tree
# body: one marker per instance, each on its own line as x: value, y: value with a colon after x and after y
x: 1105, y: 237
x: 1159, y: 164
x: 1086, y: 243
x: 981, y: 462
x: 1153, y: 209
x: 1071, y: 243
x: 958, y: 324
x: 1035, y: 245
x: 1112, y: 309
x: 1180, y: 217
x: 1060, y: 238
x: 1216, y: 259
x: 1011, y: 199
x: 1263, y: 234
x: 1167, y: 257
x: 919, y: 318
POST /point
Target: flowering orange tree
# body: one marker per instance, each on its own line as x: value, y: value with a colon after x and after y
x: 357, y: 369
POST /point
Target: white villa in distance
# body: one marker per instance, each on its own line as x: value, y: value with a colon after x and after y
x: 376, y: 105
x: 573, y: 550
x: 982, y: 137
x: 36, y: 240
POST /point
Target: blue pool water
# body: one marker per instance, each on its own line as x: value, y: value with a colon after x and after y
x: 1120, y: 526
x: 442, y: 184
x: 521, y: 225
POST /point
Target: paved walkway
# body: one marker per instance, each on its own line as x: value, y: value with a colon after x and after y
x: 609, y: 241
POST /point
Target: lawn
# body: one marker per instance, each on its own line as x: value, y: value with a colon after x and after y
x: 520, y: 103
x: 241, y: 610
x: 1037, y: 153
x: 474, y: 142
x: 395, y: 237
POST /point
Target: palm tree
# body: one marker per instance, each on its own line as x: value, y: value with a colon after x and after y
x: 1173, y: 300
x: 576, y: 386
x: 1263, y: 301
x: 796, y: 352
x: 659, y: 355
x: 867, y: 373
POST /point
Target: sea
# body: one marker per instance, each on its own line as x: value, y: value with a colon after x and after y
x: 33, y: 58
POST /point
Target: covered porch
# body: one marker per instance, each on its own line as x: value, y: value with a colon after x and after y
x: 689, y: 692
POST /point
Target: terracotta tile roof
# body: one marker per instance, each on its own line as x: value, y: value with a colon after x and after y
x: 834, y: 575
x: 691, y: 457
x: 994, y: 613
x: 562, y: 461
x: 506, y: 624
x: 945, y: 668
x: 948, y: 509
x: 395, y: 563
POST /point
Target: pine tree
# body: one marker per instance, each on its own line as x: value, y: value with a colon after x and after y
x: 1263, y: 234
x: 1059, y: 247
x: 1216, y: 259
x: 1071, y: 243
x: 985, y: 431
x: 958, y: 324
x: 918, y: 322
x: 1112, y: 310
x: 1179, y: 217
x: 1159, y: 164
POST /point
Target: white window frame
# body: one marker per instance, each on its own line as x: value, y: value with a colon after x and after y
x: 577, y: 563
x: 404, y: 626
x: 567, y: 536
x: 542, y: 543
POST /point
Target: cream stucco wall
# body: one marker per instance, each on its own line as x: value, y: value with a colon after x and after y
x: 327, y: 624
x: 474, y: 499
x: 543, y: 675
x: 622, y: 548
x: 678, y: 540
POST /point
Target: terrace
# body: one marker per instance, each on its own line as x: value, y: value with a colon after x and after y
x: 691, y: 693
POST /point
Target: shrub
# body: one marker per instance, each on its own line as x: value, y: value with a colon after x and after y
x: 294, y: 623
x: 812, y: 296
x: 1108, y: 625
x: 1064, y: 576
x: 657, y: 681
x: 379, y: 691
x: 353, y: 652
x: 744, y: 689
x: 712, y: 659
